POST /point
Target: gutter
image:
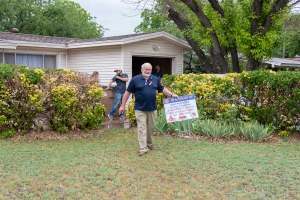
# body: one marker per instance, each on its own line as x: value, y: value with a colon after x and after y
x: 8, y: 45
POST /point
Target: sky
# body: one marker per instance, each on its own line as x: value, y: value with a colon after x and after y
x: 113, y: 15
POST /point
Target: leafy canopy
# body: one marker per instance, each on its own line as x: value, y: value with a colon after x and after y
x: 62, y: 18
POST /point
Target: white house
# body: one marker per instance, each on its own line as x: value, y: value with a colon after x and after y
x: 127, y: 52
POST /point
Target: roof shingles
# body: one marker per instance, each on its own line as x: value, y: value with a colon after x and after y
x: 58, y: 40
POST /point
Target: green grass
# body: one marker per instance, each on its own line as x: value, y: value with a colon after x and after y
x: 108, y: 167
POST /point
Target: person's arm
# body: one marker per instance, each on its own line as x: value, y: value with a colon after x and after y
x: 169, y: 93
x: 109, y: 84
x: 124, y: 100
x: 125, y: 79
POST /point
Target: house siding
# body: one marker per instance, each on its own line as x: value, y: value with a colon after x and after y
x: 106, y: 58
x: 62, y: 60
x: 101, y: 59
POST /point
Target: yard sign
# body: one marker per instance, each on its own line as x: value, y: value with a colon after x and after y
x: 180, y: 109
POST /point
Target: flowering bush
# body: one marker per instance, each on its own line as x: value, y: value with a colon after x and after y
x: 58, y: 99
x: 214, y: 95
x: 73, y: 102
x: 20, y: 98
x: 271, y: 98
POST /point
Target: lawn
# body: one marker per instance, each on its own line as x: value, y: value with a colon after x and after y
x: 107, y: 166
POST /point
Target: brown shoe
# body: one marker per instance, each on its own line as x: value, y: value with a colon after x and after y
x: 151, y: 147
x: 142, y: 153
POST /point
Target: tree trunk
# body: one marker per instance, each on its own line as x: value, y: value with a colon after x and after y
x: 214, y: 61
x: 256, y: 9
x: 206, y: 24
x: 235, y: 59
x: 233, y: 49
x: 252, y: 63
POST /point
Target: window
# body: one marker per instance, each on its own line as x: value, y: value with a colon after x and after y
x: 30, y: 60
x: 49, y: 62
x: 9, y: 58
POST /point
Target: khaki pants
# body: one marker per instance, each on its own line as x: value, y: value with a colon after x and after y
x: 146, y: 126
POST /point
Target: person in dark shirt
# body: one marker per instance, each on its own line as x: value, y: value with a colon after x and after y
x: 144, y: 86
x: 121, y: 79
x: 158, y: 73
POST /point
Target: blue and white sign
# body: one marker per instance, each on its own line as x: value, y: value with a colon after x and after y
x: 180, y: 109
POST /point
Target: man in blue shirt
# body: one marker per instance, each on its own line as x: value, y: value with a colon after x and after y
x: 144, y: 87
x: 158, y: 73
x: 121, y: 79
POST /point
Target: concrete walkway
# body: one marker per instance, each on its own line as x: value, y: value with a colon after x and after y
x: 116, y: 123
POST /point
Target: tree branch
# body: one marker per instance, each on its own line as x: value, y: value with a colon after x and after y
x: 215, y: 4
x: 206, y: 24
x: 276, y: 8
x: 183, y: 26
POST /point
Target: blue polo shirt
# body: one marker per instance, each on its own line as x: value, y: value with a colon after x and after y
x: 145, y: 92
x: 158, y: 74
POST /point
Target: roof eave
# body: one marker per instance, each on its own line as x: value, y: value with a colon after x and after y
x: 94, y: 44
x: 40, y: 44
x: 279, y: 65
x: 8, y: 45
x: 164, y: 35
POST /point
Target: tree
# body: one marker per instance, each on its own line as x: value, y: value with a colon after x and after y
x: 289, y: 43
x: 155, y: 20
x: 222, y: 28
x: 61, y: 18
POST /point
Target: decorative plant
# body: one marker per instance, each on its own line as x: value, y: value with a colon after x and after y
x: 62, y: 99
x: 255, y: 131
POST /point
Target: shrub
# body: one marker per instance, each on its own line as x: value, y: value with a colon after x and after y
x: 21, y: 100
x: 273, y: 97
x: 255, y: 131
x: 62, y: 99
x: 73, y: 102
x: 211, y: 129
x: 268, y: 97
